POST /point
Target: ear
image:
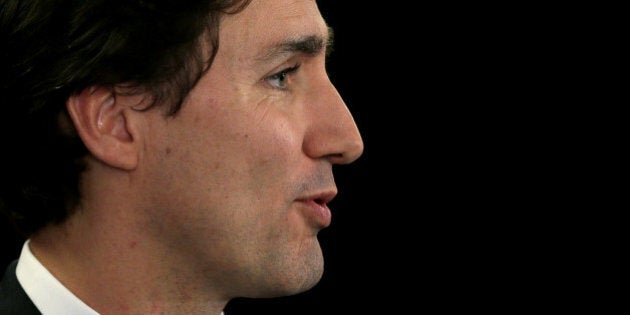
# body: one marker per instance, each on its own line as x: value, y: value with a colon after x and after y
x: 101, y: 118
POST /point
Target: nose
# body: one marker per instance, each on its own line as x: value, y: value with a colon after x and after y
x: 332, y: 132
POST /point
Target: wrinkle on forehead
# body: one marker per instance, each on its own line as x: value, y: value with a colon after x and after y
x: 295, y: 18
x: 268, y: 23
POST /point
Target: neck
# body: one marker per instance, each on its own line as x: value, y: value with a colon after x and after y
x: 105, y: 256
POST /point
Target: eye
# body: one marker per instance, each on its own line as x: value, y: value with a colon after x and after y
x: 279, y: 80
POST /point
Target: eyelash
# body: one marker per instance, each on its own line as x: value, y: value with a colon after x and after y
x: 282, y: 75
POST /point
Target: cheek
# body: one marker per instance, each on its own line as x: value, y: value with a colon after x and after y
x: 274, y: 150
x: 245, y: 160
x: 273, y: 173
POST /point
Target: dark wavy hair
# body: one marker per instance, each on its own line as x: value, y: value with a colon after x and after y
x: 52, y: 49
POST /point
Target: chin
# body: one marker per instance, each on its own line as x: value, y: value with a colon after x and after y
x: 307, y: 278
x: 288, y: 289
x: 295, y: 278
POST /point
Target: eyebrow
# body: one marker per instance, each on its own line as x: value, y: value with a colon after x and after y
x: 311, y: 45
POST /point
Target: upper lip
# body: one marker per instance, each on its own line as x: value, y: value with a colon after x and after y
x: 321, y: 198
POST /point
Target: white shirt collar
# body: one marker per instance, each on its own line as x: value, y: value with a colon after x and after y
x: 47, y: 293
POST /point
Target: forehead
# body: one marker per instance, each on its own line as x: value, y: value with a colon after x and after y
x: 266, y: 22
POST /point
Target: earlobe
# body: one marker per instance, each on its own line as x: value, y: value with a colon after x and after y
x: 101, y: 120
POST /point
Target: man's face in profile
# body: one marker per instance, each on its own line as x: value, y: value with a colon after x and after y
x: 238, y: 181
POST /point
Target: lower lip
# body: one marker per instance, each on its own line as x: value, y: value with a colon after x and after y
x: 318, y: 214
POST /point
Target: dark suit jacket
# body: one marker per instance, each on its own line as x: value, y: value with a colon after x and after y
x: 13, y: 299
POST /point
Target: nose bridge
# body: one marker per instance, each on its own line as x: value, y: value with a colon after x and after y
x: 333, y: 132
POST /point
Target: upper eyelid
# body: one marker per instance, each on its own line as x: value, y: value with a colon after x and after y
x: 286, y: 71
x: 290, y: 69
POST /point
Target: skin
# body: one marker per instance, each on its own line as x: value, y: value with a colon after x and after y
x: 222, y: 200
